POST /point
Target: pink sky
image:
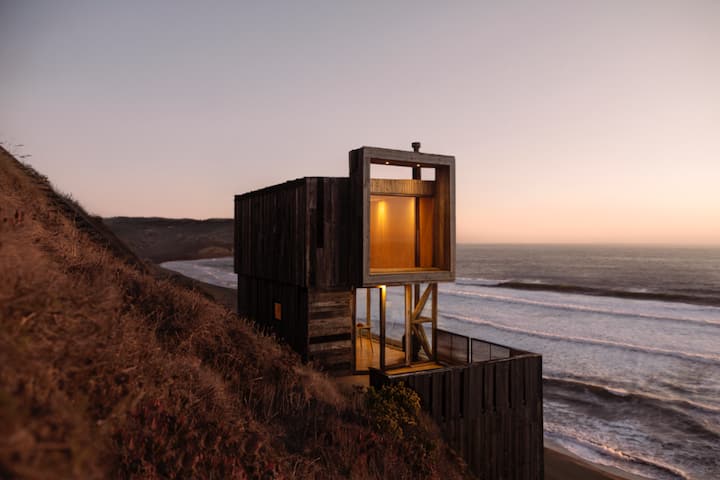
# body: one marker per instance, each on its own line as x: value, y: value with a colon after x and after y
x: 570, y: 121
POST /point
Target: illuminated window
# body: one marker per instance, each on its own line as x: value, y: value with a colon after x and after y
x: 277, y: 311
x: 401, y: 232
x: 392, y: 232
x: 405, y: 204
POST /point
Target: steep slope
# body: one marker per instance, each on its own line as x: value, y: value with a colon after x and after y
x: 106, y: 371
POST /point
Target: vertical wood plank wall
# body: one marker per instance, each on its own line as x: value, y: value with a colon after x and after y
x: 256, y: 300
x: 490, y: 413
x: 271, y: 231
x: 292, y: 248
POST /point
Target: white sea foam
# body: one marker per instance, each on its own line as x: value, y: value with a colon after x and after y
x: 612, y: 455
x: 589, y: 309
x: 711, y: 359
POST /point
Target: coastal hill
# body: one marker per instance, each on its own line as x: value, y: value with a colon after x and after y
x: 163, y: 239
x: 108, y: 370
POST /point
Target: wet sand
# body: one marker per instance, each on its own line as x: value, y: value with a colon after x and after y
x: 560, y: 464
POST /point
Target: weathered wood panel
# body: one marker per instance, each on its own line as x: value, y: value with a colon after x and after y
x: 416, y: 188
x: 296, y: 233
x: 489, y: 412
x: 270, y: 231
x: 444, y: 241
x: 329, y: 232
x: 257, y: 299
x: 330, y: 328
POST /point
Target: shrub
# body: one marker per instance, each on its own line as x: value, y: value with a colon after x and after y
x: 395, y: 413
x: 394, y: 408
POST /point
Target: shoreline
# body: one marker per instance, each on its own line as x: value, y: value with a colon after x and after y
x: 562, y: 464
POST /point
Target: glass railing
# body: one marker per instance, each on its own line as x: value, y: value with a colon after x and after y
x: 454, y: 348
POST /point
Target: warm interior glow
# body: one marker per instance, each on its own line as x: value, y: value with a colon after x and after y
x: 426, y: 235
x: 392, y: 232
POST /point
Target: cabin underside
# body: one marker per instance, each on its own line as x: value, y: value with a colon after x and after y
x: 344, y: 330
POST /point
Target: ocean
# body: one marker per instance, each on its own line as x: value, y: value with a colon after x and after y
x: 630, y: 339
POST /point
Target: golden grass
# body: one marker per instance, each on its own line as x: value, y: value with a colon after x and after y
x: 106, y: 371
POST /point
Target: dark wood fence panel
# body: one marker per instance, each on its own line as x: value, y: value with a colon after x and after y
x: 490, y: 413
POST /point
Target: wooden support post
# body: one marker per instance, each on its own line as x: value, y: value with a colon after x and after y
x: 416, y: 318
x: 408, y: 324
x: 421, y: 303
x: 417, y: 175
x: 434, y: 319
x: 368, y: 307
x: 353, y: 335
x: 368, y: 316
x: 383, y: 295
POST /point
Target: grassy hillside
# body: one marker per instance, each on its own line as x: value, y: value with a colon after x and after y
x: 108, y: 371
x: 163, y: 239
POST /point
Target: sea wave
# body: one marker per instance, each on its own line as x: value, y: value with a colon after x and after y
x: 703, y: 297
x: 581, y: 308
x: 618, y: 457
x: 625, y: 389
x: 485, y: 282
x: 695, y: 357
x: 682, y: 409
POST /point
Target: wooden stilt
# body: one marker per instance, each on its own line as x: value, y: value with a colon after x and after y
x: 408, y: 324
x: 368, y: 315
x: 383, y: 296
x: 434, y: 314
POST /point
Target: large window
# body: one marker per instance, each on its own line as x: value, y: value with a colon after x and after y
x: 392, y: 232
x: 401, y: 232
x: 405, y: 204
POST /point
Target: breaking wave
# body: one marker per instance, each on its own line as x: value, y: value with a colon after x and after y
x: 694, y: 357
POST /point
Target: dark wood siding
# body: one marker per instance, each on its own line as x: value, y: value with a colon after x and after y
x: 490, y: 413
x: 296, y: 233
x: 329, y: 232
x: 256, y: 300
x: 356, y: 215
x: 271, y: 233
x: 292, y: 239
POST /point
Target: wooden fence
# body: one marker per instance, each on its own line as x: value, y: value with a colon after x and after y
x: 490, y: 411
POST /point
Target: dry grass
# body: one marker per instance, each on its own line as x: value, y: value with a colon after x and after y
x: 106, y: 371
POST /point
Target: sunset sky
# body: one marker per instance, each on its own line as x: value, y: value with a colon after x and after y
x: 570, y: 121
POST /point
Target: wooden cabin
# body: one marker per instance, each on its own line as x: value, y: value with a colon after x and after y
x: 308, y: 248
x: 346, y: 271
